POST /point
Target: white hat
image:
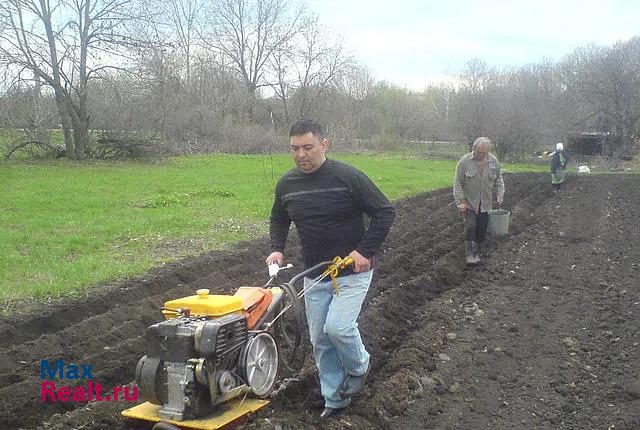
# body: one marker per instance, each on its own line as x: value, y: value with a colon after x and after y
x: 559, y: 147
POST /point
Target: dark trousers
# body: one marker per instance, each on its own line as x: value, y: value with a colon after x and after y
x: 475, y: 226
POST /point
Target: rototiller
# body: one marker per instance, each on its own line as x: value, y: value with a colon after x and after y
x: 212, y: 351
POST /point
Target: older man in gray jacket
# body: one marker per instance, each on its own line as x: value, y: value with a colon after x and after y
x: 477, y: 176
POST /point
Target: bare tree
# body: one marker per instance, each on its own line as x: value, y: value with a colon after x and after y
x: 281, y: 80
x: 353, y: 114
x: 319, y: 63
x: 514, y: 107
x: 306, y: 67
x: 357, y: 82
x: 439, y: 99
x: 606, y: 81
x: 249, y: 32
x: 65, y: 44
x: 184, y: 17
x: 471, y: 101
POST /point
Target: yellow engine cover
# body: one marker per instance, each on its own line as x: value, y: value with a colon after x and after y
x: 203, y: 305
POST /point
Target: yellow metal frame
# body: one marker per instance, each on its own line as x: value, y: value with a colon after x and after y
x: 226, y: 413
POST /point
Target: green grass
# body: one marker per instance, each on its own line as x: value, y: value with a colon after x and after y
x: 65, y: 226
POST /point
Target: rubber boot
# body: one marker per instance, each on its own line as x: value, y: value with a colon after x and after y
x: 475, y: 252
x: 468, y: 252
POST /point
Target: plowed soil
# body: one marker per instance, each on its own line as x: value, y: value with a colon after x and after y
x: 543, y: 334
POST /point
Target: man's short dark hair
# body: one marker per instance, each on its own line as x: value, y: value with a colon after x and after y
x: 304, y: 126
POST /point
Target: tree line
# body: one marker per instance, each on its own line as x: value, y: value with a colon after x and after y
x: 232, y: 75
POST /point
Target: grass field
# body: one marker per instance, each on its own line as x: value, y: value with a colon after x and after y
x: 65, y: 226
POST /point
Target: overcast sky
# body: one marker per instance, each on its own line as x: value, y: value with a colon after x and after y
x: 413, y: 43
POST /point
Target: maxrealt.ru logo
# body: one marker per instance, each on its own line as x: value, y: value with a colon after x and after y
x: 93, y: 391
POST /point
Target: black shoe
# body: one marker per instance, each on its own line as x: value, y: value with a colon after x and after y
x: 353, y: 385
x: 330, y: 412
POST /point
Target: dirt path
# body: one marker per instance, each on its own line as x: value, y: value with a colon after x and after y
x: 543, y: 335
x: 554, y: 339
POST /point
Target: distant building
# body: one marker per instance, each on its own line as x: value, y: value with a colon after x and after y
x: 589, y: 143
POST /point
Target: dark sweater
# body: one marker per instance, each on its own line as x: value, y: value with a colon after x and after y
x: 559, y: 160
x: 328, y: 207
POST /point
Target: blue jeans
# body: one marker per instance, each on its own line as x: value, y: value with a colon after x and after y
x: 337, y: 346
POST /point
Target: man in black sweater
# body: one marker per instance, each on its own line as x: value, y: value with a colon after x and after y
x: 327, y: 201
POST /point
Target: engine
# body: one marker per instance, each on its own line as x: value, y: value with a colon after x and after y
x: 208, y: 351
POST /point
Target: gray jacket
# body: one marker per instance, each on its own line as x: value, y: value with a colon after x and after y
x: 474, y: 189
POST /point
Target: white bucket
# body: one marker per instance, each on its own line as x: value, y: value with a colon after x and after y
x: 499, y: 221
